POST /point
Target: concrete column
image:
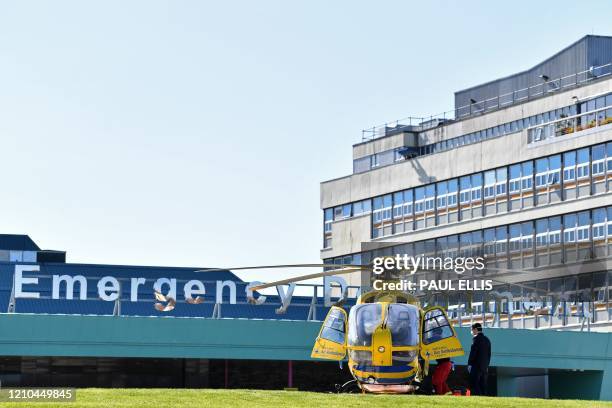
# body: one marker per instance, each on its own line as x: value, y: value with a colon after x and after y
x: 290, y: 374
x: 605, y: 393
x: 226, y: 375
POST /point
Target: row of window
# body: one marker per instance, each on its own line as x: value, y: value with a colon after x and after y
x: 17, y: 256
x: 573, y: 174
x: 596, y: 114
x: 395, y: 155
x: 586, y: 287
x: 553, y: 240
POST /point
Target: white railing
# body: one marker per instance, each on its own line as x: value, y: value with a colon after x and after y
x: 548, y: 86
x: 569, y: 125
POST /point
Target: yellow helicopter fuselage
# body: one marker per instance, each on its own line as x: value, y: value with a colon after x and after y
x: 383, y: 336
x: 382, y: 368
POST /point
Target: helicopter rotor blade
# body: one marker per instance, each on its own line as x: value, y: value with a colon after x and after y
x: 506, y: 270
x: 304, y: 265
x: 310, y: 276
x: 356, y: 268
x: 345, y: 269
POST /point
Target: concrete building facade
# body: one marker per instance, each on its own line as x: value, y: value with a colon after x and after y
x: 522, y: 178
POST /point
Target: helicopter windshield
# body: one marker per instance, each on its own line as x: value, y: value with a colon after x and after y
x: 403, y: 322
x: 363, y: 320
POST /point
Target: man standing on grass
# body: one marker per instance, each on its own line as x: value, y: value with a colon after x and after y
x: 478, y: 362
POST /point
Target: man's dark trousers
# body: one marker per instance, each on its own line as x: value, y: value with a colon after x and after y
x: 478, y: 382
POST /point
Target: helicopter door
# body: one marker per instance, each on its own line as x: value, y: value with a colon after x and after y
x: 438, y: 338
x: 331, y: 342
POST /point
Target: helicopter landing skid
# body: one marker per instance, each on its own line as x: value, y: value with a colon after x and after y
x: 349, y: 387
x: 389, y: 389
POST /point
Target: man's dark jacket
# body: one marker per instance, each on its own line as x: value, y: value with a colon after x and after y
x: 480, y: 353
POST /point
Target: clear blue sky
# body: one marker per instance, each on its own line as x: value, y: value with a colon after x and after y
x: 194, y: 133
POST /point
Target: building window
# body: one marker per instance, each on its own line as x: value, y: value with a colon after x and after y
x: 489, y: 242
x: 554, y: 230
x: 375, y: 160
x: 407, y: 203
x: 501, y: 176
x: 476, y: 182
x: 554, y: 170
x: 582, y: 230
x: 542, y: 233
x: 29, y: 256
x: 328, y: 217
x: 569, y: 228
x: 452, y: 193
x: 441, y: 195
x: 381, y: 216
x: 15, y: 256
x: 582, y: 166
x: 515, y: 238
x: 398, y: 205
x: 527, y: 236
x: 419, y: 195
x: 489, y: 184
x: 362, y: 164
x: 398, y: 156
x: 430, y: 193
x: 501, y: 241
x: 338, y: 213
x: 465, y: 244
x: 569, y: 166
x: 465, y: 190
x: 527, y: 176
x: 599, y: 224
x: 452, y: 246
x: 362, y: 207
x: 598, y: 160
x: 514, y: 185
x: 346, y: 210
x: 541, y: 177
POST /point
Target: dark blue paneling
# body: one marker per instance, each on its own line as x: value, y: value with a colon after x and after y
x: 298, y: 309
x: 17, y: 243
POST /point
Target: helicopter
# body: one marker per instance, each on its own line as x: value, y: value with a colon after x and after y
x: 388, y: 338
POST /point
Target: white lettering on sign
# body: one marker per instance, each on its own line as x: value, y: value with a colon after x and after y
x: 108, y: 284
x: 69, y: 281
x: 20, y: 281
x: 109, y: 288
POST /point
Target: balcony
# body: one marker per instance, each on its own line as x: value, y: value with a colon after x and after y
x: 571, y: 125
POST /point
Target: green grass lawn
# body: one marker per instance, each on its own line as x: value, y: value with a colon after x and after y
x: 95, y: 397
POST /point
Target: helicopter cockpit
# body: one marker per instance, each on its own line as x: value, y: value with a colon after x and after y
x: 402, y: 320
